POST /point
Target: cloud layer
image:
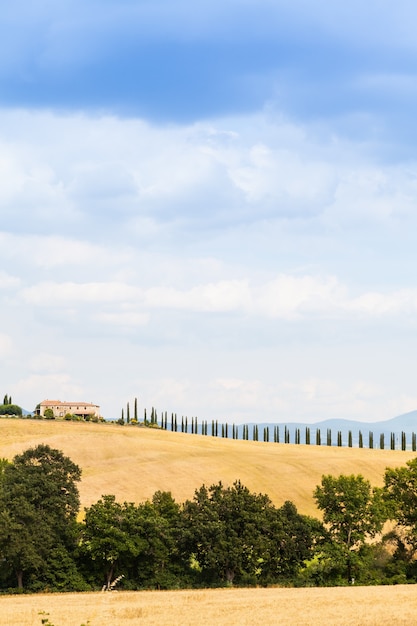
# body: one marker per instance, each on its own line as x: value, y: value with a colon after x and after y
x: 212, y: 208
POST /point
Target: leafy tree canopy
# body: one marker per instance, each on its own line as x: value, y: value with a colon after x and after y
x: 10, y: 409
x: 39, y: 502
x: 352, y: 511
x: 401, y: 497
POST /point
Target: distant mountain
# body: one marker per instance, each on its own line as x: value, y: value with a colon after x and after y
x: 406, y: 423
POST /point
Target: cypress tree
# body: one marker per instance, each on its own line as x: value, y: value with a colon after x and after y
x: 360, y: 439
x: 186, y: 424
x: 329, y: 437
x: 318, y: 437
x: 285, y: 434
x: 135, y: 410
x: 182, y: 423
x: 123, y: 416
x: 128, y: 413
x: 413, y: 442
x: 392, y: 441
x: 217, y: 428
x: 277, y: 434
x: 382, y: 441
x: 403, y: 441
x: 371, y: 440
x: 226, y: 430
x: 339, y: 438
x: 308, y: 436
x: 175, y: 423
x: 192, y: 426
x: 350, y: 441
x: 145, y: 420
x: 297, y: 436
x: 212, y: 428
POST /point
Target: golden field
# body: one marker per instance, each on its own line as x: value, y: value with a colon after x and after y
x: 336, y: 606
x: 132, y: 462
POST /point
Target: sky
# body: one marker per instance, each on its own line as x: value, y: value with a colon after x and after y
x: 210, y: 206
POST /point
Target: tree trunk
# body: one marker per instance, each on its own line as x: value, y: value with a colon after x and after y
x: 230, y: 574
x: 19, y: 576
x: 109, y: 576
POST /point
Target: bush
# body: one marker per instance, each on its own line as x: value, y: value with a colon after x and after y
x: 10, y: 409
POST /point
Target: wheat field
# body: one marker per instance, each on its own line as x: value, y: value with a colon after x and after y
x: 132, y: 463
x: 337, y: 606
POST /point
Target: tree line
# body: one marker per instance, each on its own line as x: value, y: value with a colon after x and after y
x: 307, y: 435
x: 224, y: 535
x: 254, y: 432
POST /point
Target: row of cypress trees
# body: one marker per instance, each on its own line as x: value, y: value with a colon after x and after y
x: 310, y: 436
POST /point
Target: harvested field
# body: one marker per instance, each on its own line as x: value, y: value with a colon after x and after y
x: 337, y: 606
x: 132, y: 463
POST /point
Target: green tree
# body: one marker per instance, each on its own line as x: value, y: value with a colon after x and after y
x: 235, y: 536
x: 10, y: 409
x: 109, y: 537
x: 400, y: 493
x: 39, y: 502
x: 352, y: 511
x: 159, y: 564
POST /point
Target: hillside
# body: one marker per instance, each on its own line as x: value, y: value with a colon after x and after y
x: 133, y: 462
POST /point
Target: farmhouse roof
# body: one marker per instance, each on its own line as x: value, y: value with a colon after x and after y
x: 66, y: 403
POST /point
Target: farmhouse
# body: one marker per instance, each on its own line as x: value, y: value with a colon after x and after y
x: 60, y: 409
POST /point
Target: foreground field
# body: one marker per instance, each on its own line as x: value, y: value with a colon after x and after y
x: 341, y: 606
x: 132, y: 463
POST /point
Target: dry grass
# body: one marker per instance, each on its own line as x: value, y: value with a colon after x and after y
x: 133, y: 462
x: 341, y: 606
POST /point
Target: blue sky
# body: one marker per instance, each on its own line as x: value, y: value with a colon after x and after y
x: 212, y: 208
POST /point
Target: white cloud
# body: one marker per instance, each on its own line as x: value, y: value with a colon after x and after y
x: 6, y: 345
x: 48, y: 386
x: 51, y: 294
x: 287, y: 297
x: 7, y: 281
x: 124, y: 319
x: 47, y: 363
x: 195, y: 243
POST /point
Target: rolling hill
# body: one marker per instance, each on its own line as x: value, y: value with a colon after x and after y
x: 133, y: 462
